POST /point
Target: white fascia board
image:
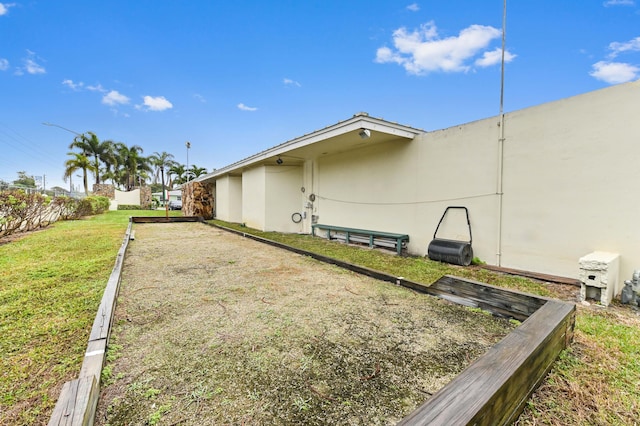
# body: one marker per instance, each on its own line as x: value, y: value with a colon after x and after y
x: 359, y: 121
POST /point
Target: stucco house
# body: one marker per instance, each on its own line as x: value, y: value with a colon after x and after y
x: 543, y: 186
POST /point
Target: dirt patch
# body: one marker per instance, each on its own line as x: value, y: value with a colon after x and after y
x: 212, y: 328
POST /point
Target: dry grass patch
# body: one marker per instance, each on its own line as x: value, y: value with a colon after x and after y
x: 212, y: 328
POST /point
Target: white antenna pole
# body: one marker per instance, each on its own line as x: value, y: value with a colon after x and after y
x: 499, y: 188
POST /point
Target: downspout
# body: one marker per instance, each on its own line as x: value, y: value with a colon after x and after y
x: 500, y: 171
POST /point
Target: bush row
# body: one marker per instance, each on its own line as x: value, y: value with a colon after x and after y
x: 21, y: 212
x: 128, y: 207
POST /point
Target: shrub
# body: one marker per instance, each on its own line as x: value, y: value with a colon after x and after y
x: 20, y: 211
x: 99, y: 204
x: 128, y: 207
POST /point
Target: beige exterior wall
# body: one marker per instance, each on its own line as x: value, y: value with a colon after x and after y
x: 128, y: 198
x: 405, y: 186
x: 571, y: 182
x: 228, y: 199
x: 254, y: 197
x: 283, y: 198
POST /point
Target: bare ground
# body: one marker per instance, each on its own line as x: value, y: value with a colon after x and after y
x: 212, y: 328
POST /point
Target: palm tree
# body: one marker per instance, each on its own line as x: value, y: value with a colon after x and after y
x: 130, y: 162
x: 92, y: 147
x: 161, y: 162
x: 196, y: 171
x: 110, y: 161
x: 180, y: 171
x: 79, y: 161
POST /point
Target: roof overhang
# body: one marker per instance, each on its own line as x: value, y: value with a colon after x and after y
x: 341, y: 137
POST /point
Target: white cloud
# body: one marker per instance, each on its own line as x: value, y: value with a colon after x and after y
x: 494, y: 57
x: 619, y: 3
x: 200, y: 98
x: 243, y: 107
x: 413, y: 7
x: 157, y: 103
x: 73, y: 86
x: 289, y: 82
x: 97, y: 88
x: 422, y: 51
x: 115, y: 98
x: 616, y: 47
x: 614, y: 72
x: 31, y: 66
x: 4, y: 8
x: 4, y: 64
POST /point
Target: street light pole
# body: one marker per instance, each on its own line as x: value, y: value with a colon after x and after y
x: 188, y: 145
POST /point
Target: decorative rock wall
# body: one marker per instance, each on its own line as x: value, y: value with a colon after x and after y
x: 145, y: 197
x: 197, y: 199
x: 104, y: 190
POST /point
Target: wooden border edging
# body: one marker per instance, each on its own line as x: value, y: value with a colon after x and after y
x: 492, y: 390
x: 78, y: 398
x: 171, y: 219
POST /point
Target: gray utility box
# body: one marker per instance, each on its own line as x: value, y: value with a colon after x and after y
x: 599, y: 276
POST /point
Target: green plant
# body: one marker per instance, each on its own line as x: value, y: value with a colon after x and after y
x: 156, y: 416
x: 128, y: 207
x: 51, y: 283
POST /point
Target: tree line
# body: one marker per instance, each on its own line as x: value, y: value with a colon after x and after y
x: 124, y: 166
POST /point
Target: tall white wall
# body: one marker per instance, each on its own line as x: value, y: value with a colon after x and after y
x: 128, y: 198
x: 229, y: 198
x: 254, y: 197
x: 405, y: 186
x: 571, y: 181
x: 283, y: 198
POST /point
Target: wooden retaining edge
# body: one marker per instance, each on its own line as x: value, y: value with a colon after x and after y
x: 78, y: 398
x: 493, y: 390
x: 171, y: 219
x: 535, y: 275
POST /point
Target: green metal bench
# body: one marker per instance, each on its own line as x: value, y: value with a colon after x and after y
x: 373, y: 238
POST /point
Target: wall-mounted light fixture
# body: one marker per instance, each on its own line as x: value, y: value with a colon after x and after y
x: 279, y: 161
x: 365, y: 133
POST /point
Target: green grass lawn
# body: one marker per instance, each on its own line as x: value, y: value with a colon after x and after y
x: 51, y: 283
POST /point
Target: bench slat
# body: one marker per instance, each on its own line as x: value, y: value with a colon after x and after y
x: 365, y: 236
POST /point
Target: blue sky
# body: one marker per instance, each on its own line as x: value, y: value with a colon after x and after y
x: 237, y: 77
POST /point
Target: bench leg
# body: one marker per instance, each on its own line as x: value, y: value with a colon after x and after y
x: 399, y: 246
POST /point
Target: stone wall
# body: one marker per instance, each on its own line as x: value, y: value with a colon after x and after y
x: 197, y: 199
x: 104, y: 190
x: 145, y: 197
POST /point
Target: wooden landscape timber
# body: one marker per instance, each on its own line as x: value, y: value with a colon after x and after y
x: 170, y: 219
x: 492, y: 390
x: 78, y: 398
